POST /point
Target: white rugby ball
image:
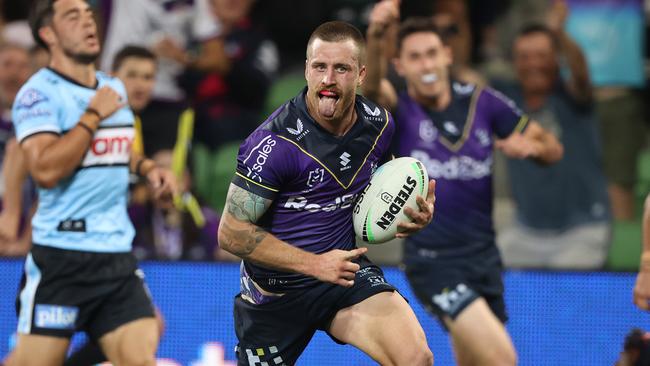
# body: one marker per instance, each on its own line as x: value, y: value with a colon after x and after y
x: 394, y: 186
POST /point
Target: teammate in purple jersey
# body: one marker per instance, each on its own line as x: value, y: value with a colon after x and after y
x: 289, y: 216
x: 453, y: 264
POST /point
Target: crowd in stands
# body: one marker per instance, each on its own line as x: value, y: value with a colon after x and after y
x: 202, y: 74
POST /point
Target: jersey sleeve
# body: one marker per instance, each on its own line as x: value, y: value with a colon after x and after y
x: 505, y: 116
x: 34, y: 111
x: 390, y: 136
x: 262, y: 166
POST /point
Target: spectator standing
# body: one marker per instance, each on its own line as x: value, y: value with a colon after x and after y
x: 565, y: 224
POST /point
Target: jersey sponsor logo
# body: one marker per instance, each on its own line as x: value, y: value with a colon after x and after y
x: 55, y: 317
x: 397, y: 203
x: 30, y: 98
x: 299, y: 131
x: 33, y: 113
x: 301, y: 203
x: 345, y: 161
x: 71, y: 225
x: 315, y: 177
x: 457, y: 167
x: 258, y: 158
x: 110, y: 146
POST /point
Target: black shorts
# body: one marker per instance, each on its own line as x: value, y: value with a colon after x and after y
x: 277, y: 332
x: 64, y: 291
x: 446, y: 286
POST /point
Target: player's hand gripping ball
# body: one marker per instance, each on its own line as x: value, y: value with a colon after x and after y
x: 394, y: 186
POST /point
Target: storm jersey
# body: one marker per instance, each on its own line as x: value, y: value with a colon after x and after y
x: 313, y: 178
x: 86, y: 210
x: 456, y: 147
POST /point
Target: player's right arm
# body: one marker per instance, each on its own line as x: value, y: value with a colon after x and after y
x: 376, y: 87
x: 265, y: 164
x: 52, y: 157
x: 642, y: 286
x: 239, y: 235
x: 14, y: 174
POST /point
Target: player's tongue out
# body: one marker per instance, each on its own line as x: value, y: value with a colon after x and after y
x: 327, y: 102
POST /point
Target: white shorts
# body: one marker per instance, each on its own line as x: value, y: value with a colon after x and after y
x: 581, y: 247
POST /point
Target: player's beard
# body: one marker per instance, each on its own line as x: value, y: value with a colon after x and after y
x: 83, y: 58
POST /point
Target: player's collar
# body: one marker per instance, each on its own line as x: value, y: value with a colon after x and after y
x: 73, y: 81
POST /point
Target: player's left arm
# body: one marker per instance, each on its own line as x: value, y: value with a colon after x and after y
x: 518, y: 137
x: 534, y: 143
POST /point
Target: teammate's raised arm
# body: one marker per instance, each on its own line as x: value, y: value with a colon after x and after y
x: 383, y: 18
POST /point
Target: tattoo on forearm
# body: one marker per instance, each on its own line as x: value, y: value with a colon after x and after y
x: 242, y: 242
x: 246, y: 206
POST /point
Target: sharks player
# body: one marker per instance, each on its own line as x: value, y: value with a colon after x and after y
x: 76, y: 131
x: 289, y: 216
x: 453, y: 265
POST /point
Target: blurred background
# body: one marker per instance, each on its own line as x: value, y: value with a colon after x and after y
x: 221, y: 66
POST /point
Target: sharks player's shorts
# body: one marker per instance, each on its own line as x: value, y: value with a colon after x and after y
x: 446, y: 286
x: 64, y: 291
x: 276, y: 333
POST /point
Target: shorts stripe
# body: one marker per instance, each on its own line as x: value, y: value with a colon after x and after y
x: 27, y: 295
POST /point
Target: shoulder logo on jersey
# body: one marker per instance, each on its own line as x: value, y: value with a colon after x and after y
x: 376, y: 112
x: 463, y: 89
x: 258, y: 156
x: 315, y: 177
x: 345, y: 161
x: 372, y: 114
x: 110, y: 146
x: 427, y: 131
x: 30, y: 98
x: 299, y: 131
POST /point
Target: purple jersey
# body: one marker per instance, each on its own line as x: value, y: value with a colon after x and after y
x: 455, y: 145
x: 313, y: 178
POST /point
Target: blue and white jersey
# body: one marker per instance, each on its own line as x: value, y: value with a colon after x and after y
x: 86, y: 210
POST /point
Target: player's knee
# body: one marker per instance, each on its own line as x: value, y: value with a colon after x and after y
x: 138, y: 359
x: 501, y: 356
x: 419, y: 355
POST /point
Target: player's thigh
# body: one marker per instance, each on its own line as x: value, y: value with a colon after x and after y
x: 133, y: 343
x: 373, y: 325
x: 39, y: 350
x: 479, y: 336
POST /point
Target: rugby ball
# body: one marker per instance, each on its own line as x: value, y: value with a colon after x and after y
x: 394, y: 186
